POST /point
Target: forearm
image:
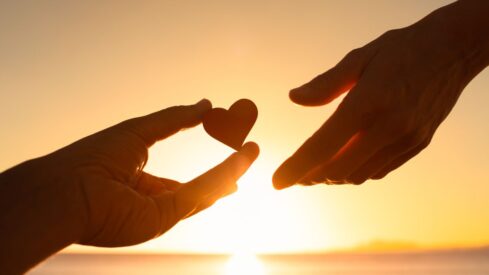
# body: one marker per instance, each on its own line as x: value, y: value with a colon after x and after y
x: 465, y: 24
x: 39, y: 216
x: 454, y: 37
x: 471, y: 18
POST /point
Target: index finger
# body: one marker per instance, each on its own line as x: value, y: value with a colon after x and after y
x: 217, y: 180
x: 162, y: 124
x: 320, y: 147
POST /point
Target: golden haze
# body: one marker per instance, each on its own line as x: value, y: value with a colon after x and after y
x: 69, y: 69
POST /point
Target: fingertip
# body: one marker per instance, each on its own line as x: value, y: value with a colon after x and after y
x: 239, y: 162
x: 296, y: 95
x: 280, y: 186
x: 281, y: 178
x: 308, y: 96
x: 250, y: 150
x: 203, y: 105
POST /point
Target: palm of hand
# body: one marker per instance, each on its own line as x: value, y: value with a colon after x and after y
x: 119, y: 196
x: 124, y: 204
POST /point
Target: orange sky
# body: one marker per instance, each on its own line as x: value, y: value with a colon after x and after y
x: 69, y: 69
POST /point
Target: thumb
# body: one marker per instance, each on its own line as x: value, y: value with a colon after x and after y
x: 326, y: 87
x: 215, y: 183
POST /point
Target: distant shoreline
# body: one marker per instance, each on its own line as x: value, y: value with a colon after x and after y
x: 418, y: 251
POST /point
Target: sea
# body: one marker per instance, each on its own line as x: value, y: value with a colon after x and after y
x: 454, y: 262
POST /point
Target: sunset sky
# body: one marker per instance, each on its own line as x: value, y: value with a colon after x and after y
x: 69, y: 69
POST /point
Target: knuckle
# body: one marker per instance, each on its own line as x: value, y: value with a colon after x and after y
x: 389, y: 34
x: 354, y: 54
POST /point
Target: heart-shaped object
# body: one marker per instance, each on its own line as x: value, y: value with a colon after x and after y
x: 231, y: 126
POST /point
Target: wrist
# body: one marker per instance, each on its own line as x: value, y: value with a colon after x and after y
x: 455, y: 36
x: 466, y: 25
x: 41, y: 213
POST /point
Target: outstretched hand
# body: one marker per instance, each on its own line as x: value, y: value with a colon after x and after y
x: 401, y: 87
x: 95, y: 191
x: 127, y: 205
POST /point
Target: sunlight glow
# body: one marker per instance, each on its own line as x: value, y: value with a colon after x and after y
x: 97, y: 69
x: 244, y: 264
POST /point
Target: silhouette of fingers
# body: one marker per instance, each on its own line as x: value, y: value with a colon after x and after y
x: 215, y: 183
x: 329, y: 85
x: 353, y: 155
x: 380, y: 160
x: 321, y: 146
x: 357, y: 153
x: 171, y: 205
x: 156, y: 126
x: 396, y: 163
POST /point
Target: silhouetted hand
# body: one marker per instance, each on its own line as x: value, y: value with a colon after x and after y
x: 94, y: 191
x: 128, y: 206
x: 401, y: 87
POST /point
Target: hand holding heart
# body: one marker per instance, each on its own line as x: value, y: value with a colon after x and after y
x: 95, y: 191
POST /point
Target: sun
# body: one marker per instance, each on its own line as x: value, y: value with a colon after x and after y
x: 244, y: 264
x: 256, y: 219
